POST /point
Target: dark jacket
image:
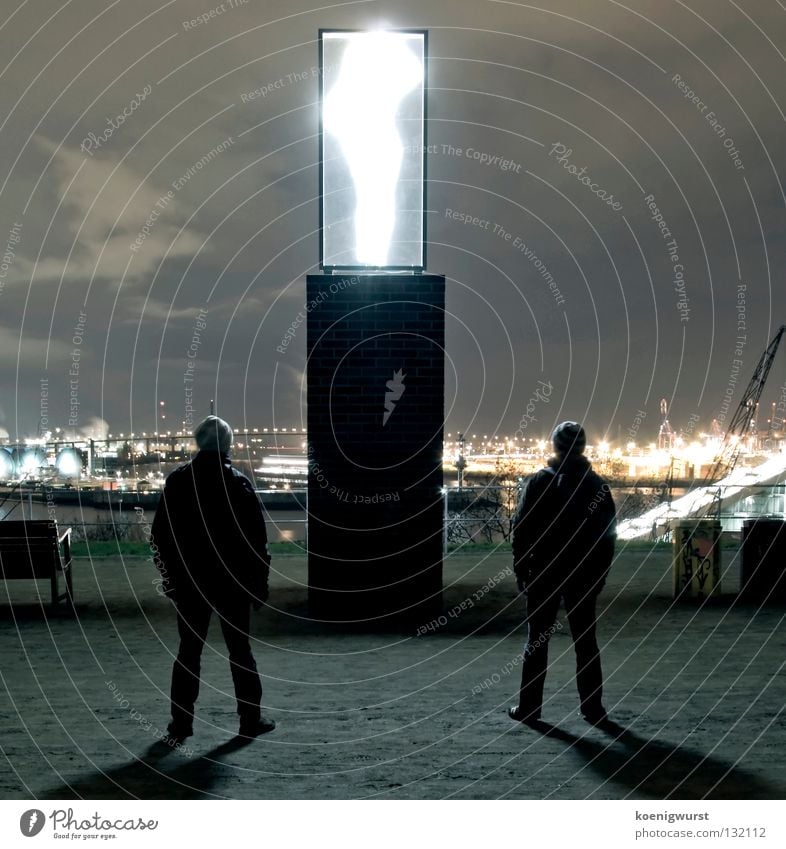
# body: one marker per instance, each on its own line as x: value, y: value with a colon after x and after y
x: 209, y: 532
x: 564, y: 528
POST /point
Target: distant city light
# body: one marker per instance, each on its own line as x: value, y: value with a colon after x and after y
x: 69, y: 463
x: 32, y: 460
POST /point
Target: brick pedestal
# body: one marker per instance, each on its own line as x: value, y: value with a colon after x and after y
x: 375, y: 425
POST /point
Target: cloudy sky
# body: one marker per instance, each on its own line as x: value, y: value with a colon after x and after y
x: 119, y: 252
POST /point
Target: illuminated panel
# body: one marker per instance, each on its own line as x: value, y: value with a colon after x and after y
x: 372, y: 94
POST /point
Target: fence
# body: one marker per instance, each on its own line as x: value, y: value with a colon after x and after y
x: 472, y: 514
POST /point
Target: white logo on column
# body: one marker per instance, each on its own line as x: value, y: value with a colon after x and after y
x: 395, y: 389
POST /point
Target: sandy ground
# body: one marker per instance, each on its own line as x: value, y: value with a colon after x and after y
x: 698, y: 694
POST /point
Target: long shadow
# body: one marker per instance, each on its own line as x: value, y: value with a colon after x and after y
x: 660, y: 770
x: 152, y: 776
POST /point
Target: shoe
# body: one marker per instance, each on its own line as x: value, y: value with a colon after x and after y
x: 176, y: 732
x: 595, y: 717
x: 263, y: 725
x: 517, y: 715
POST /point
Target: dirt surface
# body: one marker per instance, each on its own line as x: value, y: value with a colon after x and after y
x: 698, y: 694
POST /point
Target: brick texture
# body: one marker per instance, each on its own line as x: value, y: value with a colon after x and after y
x: 375, y: 445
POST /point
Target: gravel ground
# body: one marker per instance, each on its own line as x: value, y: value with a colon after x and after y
x: 698, y: 694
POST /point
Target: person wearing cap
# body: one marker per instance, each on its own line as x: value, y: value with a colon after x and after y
x: 210, y: 546
x: 563, y: 546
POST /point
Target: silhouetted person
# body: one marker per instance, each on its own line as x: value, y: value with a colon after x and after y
x: 563, y: 545
x: 210, y: 546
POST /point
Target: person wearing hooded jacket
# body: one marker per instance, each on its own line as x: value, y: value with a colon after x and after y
x: 563, y: 547
x: 210, y: 546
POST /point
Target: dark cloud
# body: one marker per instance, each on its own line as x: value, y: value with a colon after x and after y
x: 212, y: 177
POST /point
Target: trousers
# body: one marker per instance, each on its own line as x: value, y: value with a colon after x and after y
x: 194, y: 612
x: 542, y: 608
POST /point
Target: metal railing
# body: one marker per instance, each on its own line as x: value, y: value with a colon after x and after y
x: 472, y: 514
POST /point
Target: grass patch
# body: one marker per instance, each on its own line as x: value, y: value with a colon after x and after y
x: 142, y: 549
x: 110, y: 548
x: 727, y: 541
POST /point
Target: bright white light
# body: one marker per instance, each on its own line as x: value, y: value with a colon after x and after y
x: 378, y: 70
x: 733, y: 488
x: 68, y: 463
x: 32, y: 460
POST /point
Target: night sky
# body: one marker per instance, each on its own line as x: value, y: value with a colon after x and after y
x: 122, y: 259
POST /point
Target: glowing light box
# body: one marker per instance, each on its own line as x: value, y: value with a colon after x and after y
x: 372, y: 149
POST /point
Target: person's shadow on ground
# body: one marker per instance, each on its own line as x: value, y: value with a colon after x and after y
x: 151, y: 776
x: 661, y: 770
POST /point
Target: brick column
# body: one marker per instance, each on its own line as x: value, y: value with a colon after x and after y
x: 375, y: 425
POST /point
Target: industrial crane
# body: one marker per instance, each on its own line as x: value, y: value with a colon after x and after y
x: 740, y: 423
x: 705, y: 500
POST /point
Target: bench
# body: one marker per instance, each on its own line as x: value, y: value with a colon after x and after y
x: 34, y: 550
